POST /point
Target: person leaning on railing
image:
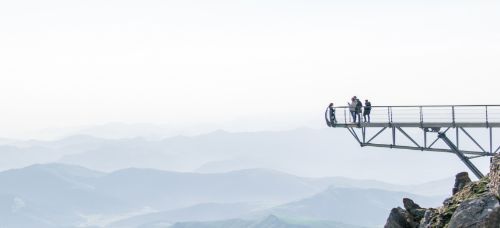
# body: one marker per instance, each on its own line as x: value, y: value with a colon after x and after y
x: 331, y: 109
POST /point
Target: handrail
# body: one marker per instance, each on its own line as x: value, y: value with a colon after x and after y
x: 416, y: 106
x: 327, y: 118
x: 423, y: 115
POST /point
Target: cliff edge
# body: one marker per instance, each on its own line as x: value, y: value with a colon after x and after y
x: 473, y: 204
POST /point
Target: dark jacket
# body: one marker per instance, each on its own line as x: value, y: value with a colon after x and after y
x: 359, y: 105
x: 368, y: 106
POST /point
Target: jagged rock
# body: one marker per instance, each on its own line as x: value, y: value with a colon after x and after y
x: 441, y: 216
x: 427, y: 220
x: 461, y: 179
x: 473, y: 204
x: 414, y: 209
x: 471, y: 212
x: 400, y: 218
x: 495, y: 176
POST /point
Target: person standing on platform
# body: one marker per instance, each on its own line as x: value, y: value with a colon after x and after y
x: 359, y: 107
x: 366, y: 111
x: 352, y: 108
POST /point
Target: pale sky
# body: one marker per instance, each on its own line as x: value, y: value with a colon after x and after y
x: 71, y: 63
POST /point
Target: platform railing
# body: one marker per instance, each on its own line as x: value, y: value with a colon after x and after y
x: 423, y: 114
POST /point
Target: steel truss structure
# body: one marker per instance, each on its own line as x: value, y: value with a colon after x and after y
x: 435, y: 123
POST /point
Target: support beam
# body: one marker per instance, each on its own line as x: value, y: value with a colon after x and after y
x: 363, y: 130
x: 475, y: 153
x: 462, y: 156
x: 491, y: 140
x: 425, y: 138
x: 393, y: 136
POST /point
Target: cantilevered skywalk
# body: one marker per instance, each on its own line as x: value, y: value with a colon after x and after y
x: 423, y: 127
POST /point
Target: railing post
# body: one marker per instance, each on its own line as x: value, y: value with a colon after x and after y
x: 388, y: 114
x: 391, y: 115
x: 453, y: 114
x: 487, y: 122
x: 421, y: 117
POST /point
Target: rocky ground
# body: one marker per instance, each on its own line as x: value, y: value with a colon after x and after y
x: 473, y: 204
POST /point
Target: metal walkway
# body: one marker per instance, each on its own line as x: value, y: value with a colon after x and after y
x: 421, y: 127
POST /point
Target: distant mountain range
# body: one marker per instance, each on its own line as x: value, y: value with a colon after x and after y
x: 348, y: 205
x: 200, y: 212
x: 302, y: 152
x: 270, y: 221
x: 55, y: 195
x: 335, y: 207
x: 221, y: 177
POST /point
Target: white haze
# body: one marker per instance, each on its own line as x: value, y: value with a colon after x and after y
x: 240, y: 65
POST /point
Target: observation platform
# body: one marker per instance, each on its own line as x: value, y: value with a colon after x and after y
x: 431, y: 121
x: 427, y: 116
x: 419, y: 125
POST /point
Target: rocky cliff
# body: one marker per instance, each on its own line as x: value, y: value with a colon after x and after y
x: 473, y: 204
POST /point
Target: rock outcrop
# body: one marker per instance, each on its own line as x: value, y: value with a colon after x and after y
x: 473, y: 204
x: 461, y: 179
x: 495, y: 176
x: 414, y: 209
x: 400, y: 218
x: 472, y: 212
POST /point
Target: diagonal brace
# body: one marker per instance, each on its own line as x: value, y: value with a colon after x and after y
x: 353, y: 133
x: 461, y: 155
x: 378, y: 133
x: 407, y: 136
x: 473, y: 140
